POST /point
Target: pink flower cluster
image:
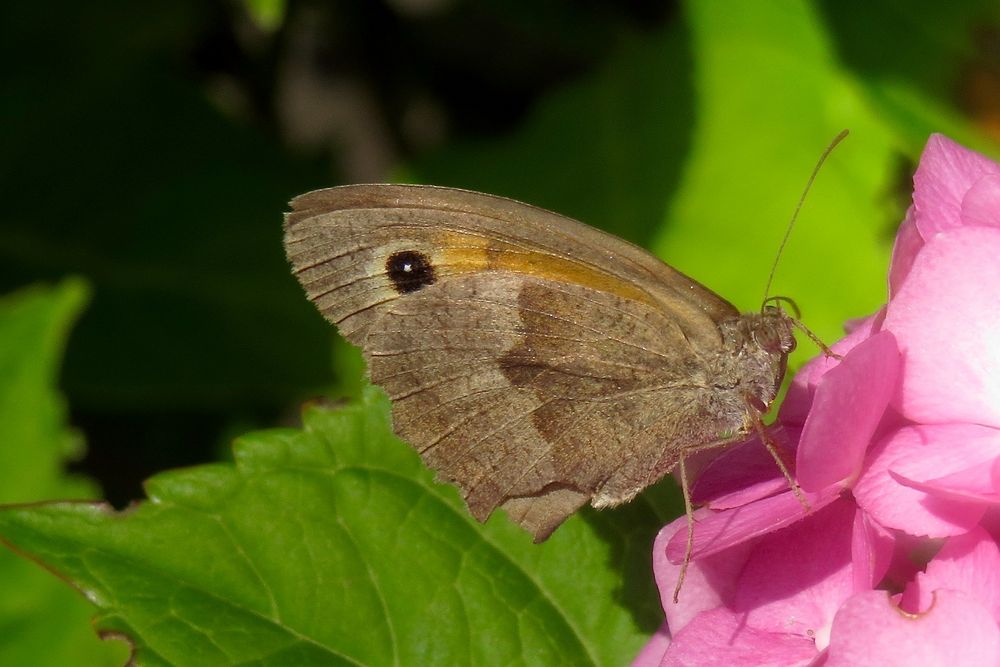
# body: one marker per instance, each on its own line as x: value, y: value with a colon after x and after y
x: 897, y: 448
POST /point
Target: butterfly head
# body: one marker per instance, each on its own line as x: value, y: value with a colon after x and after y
x: 759, y: 344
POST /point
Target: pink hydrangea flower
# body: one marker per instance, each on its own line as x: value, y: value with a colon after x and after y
x: 897, y: 448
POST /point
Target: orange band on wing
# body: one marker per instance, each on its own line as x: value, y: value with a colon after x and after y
x: 467, y: 253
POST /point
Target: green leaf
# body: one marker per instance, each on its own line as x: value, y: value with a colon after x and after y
x: 332, y: 545
x: 42, y: 622
x: 34, y: 326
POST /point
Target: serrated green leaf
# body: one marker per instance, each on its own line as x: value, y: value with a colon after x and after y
x: 332, y: 545
x: 41, y: 621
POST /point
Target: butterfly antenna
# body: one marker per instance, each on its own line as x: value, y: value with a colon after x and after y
x: 798, y: 207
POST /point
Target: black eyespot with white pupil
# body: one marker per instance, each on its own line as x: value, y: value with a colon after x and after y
x: 409, y: 270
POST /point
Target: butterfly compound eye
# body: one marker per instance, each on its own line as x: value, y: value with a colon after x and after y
x: 409, y: 270
x: 773, y: 333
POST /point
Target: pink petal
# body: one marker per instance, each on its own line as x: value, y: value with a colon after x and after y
x: 847, y: 407
x: 991, y: 522
x: 946, y: 319
x: 795, y: 407
x: 759, y: 489
x: 796, y: 579
x: 720, y: 638
x: 981, y: 205
x: 957, y: 462
x: 969, y: 563
x: 966, y: 485
x: 872, y: 550
x: 904, y: 251
x: 710, y: 582
x: 870, y: 630
x: 744, y: 473
x: 651, y: 654
x: 898, y: 506
x: 946, y: 172
x: 716, y: 531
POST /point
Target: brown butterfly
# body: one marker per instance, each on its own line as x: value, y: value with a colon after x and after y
x: 536, y: 362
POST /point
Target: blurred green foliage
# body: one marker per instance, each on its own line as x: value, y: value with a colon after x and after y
x: 42, y: 621
x: 151, y: 148
x: 268, y: 14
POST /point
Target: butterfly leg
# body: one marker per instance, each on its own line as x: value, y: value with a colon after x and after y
x: 772, y: 449
x: 689, y: 512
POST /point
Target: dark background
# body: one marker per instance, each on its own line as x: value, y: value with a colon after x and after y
x: 152, y: 147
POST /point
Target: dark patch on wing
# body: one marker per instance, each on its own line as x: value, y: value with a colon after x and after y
x: 409, y: 270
